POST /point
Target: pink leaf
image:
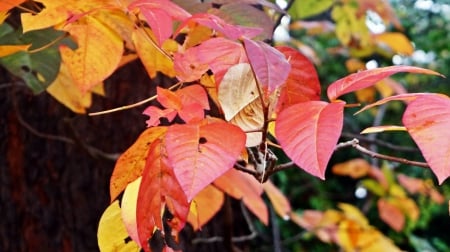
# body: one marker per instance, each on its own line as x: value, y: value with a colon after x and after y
x: 200, y: 153
x: 427, y: 120
x: 302, y: 83
x: 193, y: 94
x: 159, y: 15
x: 270, y: 66
x: 308, y: 133
x: 368, y: 78
x: 402, y: 97
x: 156, y: 114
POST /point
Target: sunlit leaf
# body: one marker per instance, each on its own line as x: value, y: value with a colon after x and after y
x: 128, y: 206
x: 244, y: 187
x: 204, y: 206
x: 308, y: 133
x: 98, y: 54
x: 111, y: 234
x: 302, y: 83
x: 158, y: 185
x: 131, y: 163
x: 269, y: 65
x: 279, y: 201
x: 427, y: 119
x: 368, y: 78
x: 202, y: 152
x: 306, y: 8
x: 383, y: 128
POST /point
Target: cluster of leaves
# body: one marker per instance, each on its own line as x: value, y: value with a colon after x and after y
x: 234, y: 98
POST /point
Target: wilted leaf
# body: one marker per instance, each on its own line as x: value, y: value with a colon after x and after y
x: 302, y: 83
x: 279, y: 201
x: 158, y: 186
x: 131, y: 163
x: 368, y: 78
x: 427, y: 119
x: 243, y: 186
x: 202, y: 152
x: 204, y: 206
x: 269, y: 65
x: 111, y: 234
x: 355, y: 168
x: 308, y: 133
x: 250, y: 118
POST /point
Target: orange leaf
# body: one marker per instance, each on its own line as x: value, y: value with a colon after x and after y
x: 158, y: 186
x: 131, y: 163
x: 278, y: 199
x: 6, y: 50
x: 168, y: 98
x: 355, y: 168
x: 244, y: 187
x: 202, y: 152
x: 427, y: 119
x: 368, y: 78
x: 308, y: 132
x: 204, y: 206
x: 9, y: 4
x: 391, y: 215
x: 98, y: 54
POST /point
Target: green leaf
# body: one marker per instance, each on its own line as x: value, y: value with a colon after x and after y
x: 307, y: 8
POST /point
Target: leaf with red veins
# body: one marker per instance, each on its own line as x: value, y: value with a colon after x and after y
x: 369, y: 78
x: 159, y: 15
x: 302, y: 83
x: 270, y: 65
x: 156, y: 114
x: 427, y: 119
x: 219, y: 25
x: 308, y: 133
x: 202, y: 152
x: 158, y: 185
x: 168, y: 99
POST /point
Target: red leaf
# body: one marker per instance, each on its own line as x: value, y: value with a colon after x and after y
x: 302, y: 83
x: 200, y: 153
x: 368, y: 78
x: 218, y: 24
x: 244, y: 187
x: 427, y: 119
x: 217, y: 54
x: 156, y: 114
x: 168, y: 98
x: 308, y: 133
x: 158, y: 185
x: 159, y: 15
x: 270, y: 66
x: 131, y: 163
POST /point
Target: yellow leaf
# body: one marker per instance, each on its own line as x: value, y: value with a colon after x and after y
x: 98, y: 54
x: 354, y: 65
x: 152, y: 57
x: 111, y: 234
x: 6, y: 50
x: 377, y: 129
x: 366, y: 95
x: 396, y: 42
x: 3, y: 16
x: 66, y: 92
x: 353, y: 213
x: 128, y: 212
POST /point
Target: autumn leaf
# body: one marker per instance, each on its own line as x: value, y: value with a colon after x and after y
x: 128, y: 209
x: 111, y: 234
x: 98, y: 54
x: 427, y: 119
x: 269, y: 65
x: 9, y: 4
x: 159, y: 15
x: 158, y: 185
x: 396, y: 42
x: 308, y: 133
x: 6, y: 50
x: 204, y: 206
x: 391, y: 215
x: 355, y: 168
x: 302, y: 83
x: 243, y: 186
x: 200, y: 152
x: 368, y: 78
x: 382, y: 128
x: 156, y: 114
x: 306, y: 8
x: 279, y: 201
x: 131, y: 163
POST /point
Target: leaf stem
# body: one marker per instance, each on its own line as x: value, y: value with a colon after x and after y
x: 49, y: 44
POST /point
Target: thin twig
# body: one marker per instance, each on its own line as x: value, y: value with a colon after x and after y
x: 380, y: 142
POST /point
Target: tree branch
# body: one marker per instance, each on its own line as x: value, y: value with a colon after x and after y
x: 380, y: 143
